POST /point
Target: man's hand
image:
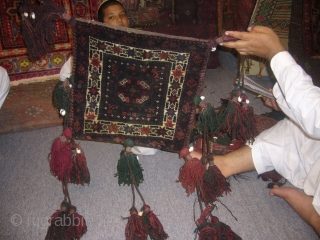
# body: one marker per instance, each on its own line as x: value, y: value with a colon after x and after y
x: 259, y: 41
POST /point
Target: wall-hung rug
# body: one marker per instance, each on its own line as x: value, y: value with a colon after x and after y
x: 135, y: 84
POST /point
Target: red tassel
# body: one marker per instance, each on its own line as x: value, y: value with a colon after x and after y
x: 76, y: 225
x: 80, y: 172
x: 239, y: 121
x: 191, y: 174
x: 213, y: 185
x: 134, y: 228
x: 209, y: 227
x: 67, y: 160
x: 60, y: 158
x: 66, y: 223
x: 153, y: 224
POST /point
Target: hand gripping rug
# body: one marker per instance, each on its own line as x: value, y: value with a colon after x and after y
x: 135, y: 84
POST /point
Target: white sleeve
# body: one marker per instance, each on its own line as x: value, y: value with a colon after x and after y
x: 66, y: 70
x: 4, y: 85
x: 296, y: 95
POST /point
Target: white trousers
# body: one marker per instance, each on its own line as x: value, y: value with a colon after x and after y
x: 287, y: 149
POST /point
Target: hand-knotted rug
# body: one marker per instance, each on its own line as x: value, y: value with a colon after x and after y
x: 135, y: 84
x: 275, y: 14
x: 28, y: 107
x: 13, y: 50
x: 304, y: 38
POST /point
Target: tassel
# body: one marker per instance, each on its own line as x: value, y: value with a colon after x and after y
x: 80, y: 172
x: 66, y: 223
x: 67, y: 160
x: 38, y: 26
x: 238, y: 121
x: 134, y: 228
x: 209, y: 227
x: 191, y: 173
x: 76, y: 225
x: 153, y: 224
x: 61, y: 96
x: 214, y: 185
x: 27, y: 13
x: 207, y: 119
x: 56, y: 229
x: 60, y: 158
x: 123, y: 168
x: 273, y: 176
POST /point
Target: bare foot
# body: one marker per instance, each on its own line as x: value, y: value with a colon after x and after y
x: 301, y: 203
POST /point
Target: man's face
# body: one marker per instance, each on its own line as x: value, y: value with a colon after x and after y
x: 116, y: 15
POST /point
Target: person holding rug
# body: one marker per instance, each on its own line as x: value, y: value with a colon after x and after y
x: 291, y: 147
x: 110, y: 12
x: 4, y: 85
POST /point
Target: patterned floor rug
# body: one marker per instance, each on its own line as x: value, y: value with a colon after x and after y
x: 28, y: 107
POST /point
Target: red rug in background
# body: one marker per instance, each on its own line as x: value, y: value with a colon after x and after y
x: 13, y: 51
x: 28, y: 107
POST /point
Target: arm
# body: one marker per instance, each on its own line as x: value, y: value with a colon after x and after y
x: 296, y: 95
x: 298, y: 98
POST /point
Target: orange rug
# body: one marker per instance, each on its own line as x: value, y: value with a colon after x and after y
x: 28, y: 107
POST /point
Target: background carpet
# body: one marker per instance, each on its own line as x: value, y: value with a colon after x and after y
x: 29, y: 106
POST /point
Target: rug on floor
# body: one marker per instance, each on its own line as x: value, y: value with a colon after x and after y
x: 28, y: 107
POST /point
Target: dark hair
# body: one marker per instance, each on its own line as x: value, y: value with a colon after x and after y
x: 105, y: 5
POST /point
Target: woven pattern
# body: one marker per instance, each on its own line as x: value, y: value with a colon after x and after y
x: 136, y: 84
x: 243, y: 13
x: 13, y: 51
x: 185, y: 12
x: 297, y: 43
x: 274, y: 14
x: 311, y: 28
x: 207, y: 12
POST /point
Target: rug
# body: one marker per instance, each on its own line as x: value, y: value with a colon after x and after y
x: 306, y: 55
x: 135, y: 84
x: 13, y: 51
x: 275, y: 14
x: 311, y: 28
x: 28, y: 107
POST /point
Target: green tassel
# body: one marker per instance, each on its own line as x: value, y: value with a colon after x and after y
x: 123, y: 169
x: 61, y: 94
x: 223, y: 140
x: 208, y: 121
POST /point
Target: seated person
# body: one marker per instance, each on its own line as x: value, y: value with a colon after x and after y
x: 110, y: 12
x: 291, y: 147
x: 4, y: 85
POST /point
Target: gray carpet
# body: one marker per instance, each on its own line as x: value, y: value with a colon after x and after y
x: 30, y: 194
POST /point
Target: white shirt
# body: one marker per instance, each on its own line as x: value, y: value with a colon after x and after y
x: 302, y: 104
x: 4, y: 85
